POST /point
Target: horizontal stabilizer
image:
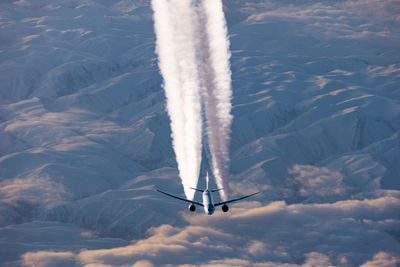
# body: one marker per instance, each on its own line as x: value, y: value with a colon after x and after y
x: 212, y: 190
x: 196, y: 189
x: 216, y: 190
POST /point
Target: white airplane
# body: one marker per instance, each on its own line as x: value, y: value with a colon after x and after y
x: 208, y: 204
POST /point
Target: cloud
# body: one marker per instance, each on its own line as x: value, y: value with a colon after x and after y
x: 67, y: 259
x: 328, y: 234
x: 256, y: 248
x: 166, y: 242
x: 35, y: 188
x: 317, y: 181
x: 48, y: 259
x: 382, y: 259
x: 143, y: 264
x: 317, y: 259
x: 22, y: 198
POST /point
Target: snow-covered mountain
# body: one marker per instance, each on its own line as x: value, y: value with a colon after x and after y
x: 84, y: 137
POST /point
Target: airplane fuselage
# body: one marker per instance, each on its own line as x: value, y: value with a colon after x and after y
x: 208, y: 203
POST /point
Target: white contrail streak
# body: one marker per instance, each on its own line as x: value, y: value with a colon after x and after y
x: 193, y: 51
x: 216, y: 79
x: 174, y: 26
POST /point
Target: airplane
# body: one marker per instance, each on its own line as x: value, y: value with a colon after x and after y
x: 208, y: 204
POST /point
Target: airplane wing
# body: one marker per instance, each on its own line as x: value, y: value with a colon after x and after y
x: 180, y: 198
x: 236, y: 199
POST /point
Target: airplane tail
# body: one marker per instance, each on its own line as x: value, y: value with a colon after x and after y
x: 207, y: 180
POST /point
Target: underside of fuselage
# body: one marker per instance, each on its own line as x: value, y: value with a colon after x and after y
x: 208, y: 202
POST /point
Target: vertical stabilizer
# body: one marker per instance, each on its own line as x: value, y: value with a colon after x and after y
x: 207, y: 181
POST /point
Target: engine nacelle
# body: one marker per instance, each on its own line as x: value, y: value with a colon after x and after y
x: 192, y: 207
x: 225, y: 208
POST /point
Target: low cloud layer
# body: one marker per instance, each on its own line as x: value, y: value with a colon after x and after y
x: 337, y: 234
x: 48, y: 258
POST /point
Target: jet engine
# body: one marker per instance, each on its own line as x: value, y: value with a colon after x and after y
x: 192, y: 207
x: 225, y: 208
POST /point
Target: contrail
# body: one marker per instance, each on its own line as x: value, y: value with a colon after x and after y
x: 174, y: 26
x: 193, y: 51
x: 217, y: 92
